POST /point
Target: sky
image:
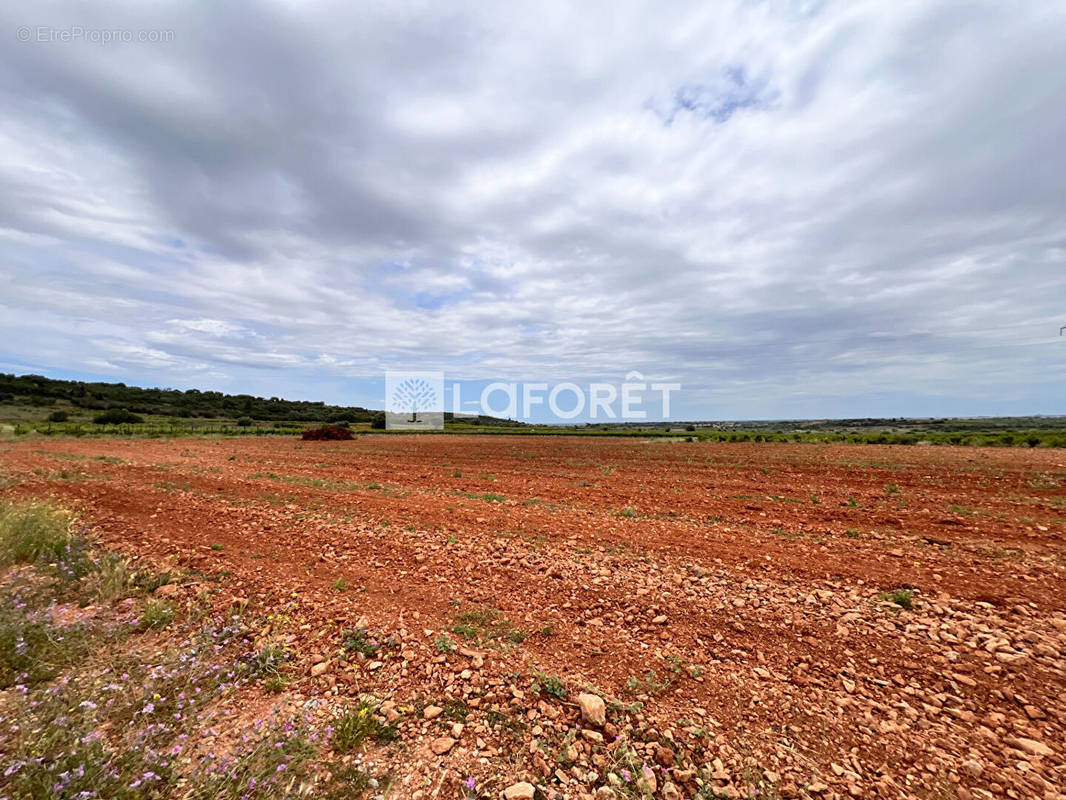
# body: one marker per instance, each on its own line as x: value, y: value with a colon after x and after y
x: 792, y: 209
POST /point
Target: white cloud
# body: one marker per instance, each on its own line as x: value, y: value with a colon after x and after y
x: 792, y: 201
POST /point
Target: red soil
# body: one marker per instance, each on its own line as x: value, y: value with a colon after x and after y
x: 748, y: 577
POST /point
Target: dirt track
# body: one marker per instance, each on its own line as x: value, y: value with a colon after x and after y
x: 734, y: 590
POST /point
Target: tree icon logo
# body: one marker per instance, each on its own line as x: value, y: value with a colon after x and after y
x: 414, y: 400
x: 415, y: 394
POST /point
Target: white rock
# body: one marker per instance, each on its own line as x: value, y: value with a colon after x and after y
x: 593, y: 709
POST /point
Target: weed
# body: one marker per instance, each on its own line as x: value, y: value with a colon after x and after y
x: 904, y: 598
x: 216, y: 546
x: 551, y: 685
x: 113, y: 578
x: 267, y: 662
x: 851, y: 533
x: 339, y: 585
x: 31, y: 648
x: 357, y: 640
x: 626, y: 512
x: 649, y: 684
x: 892, y: 489
x: 455, y: 709
x: 38, y: 534
x: 444, y: 644
x: 353, y: 727
x: 275, y: 684
x: 156, y: 614
x: 487, y: 624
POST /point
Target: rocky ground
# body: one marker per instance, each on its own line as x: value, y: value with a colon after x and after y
x: 620, y: 618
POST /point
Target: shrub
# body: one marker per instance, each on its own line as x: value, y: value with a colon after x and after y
x: 58, y: 416
x: 244, y: 422
x: 355, y: 726
x: 32, y: 533
x: 117, y: 416
x: 326, y: 433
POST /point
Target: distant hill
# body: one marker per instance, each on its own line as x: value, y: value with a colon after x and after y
x: 39, y: 391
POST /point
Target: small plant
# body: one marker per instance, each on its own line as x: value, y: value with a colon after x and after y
x: 275, y: 684
x: 455, y: 709
x: 892, y: 489
x: 444, y: 644
x: 852, y: 502
x: 31, y: 649
x: 156, y: 614
x: 339, y: 585
x: 354, y: 727
x: 216, y: 546
x: 267, y: 662
x: 904, y: 598
x: 626, y: 512
x: 113, y: 578
x: 357, y: 640
x: 649, y: 684
x: 551, y: 685
x: 33, y: 533
x: 488, y: 624
x: 851, y: 533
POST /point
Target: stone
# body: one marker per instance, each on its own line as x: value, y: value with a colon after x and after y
x: 1030, y: 746
x: 671, y: 792
x: 432, y: 712
x: 973, y: 768
x: 319, y: 669
x: 593, y: 709
x: 519, y: 791
x: 443, y: 745
x: 664, y: 757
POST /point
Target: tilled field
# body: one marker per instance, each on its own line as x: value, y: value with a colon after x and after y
x: 805, y: 620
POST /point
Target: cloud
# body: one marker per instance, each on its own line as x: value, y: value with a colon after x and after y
x: 793, y: 209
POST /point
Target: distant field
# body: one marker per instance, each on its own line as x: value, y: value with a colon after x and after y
x: 21, y: 421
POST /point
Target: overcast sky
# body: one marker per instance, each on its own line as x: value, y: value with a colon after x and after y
x: 794, y: 209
